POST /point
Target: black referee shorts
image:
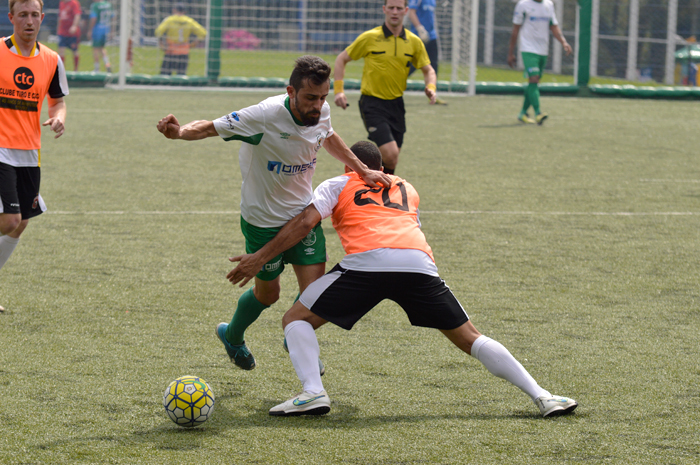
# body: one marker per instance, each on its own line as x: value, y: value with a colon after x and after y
x: 344, y: 296
x: 384, y: 119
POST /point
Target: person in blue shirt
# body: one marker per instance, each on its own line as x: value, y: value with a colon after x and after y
x: 423, y: 24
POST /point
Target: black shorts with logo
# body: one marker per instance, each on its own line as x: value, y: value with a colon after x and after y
x: 19, y: 191
x: 384, y: 119
x: 344, y: 296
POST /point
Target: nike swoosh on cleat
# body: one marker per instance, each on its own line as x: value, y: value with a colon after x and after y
x: 298, y: 402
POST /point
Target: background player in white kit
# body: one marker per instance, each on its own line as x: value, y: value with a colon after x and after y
x: 281, y: 136
x: 532, y: 20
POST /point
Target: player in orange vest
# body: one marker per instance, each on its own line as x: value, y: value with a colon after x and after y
x: 387, y: 258
x: 28, y: 73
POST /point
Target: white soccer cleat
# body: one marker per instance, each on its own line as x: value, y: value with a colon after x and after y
x: 553, y: 406
x: 304, y: 404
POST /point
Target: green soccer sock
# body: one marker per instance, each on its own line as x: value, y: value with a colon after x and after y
x: 248, y: 310
x: 526, y: 103
x: 534, y: 92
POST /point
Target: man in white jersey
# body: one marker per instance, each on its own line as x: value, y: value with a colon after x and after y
x: 29, y: 72
x: 387, y: 258
x: 532, y: 21
x: 281, y: 138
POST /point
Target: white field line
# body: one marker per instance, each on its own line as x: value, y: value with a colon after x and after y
x: 422, y: 212
x: 671, y: 180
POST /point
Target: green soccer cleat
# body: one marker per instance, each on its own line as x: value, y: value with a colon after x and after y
x: 303, y: 404
x: 439, y: 101
x: 554, y: 406
x: 540, y: 118
x: 239, y: 354
x: 524, y: 118
x: 321, y: 368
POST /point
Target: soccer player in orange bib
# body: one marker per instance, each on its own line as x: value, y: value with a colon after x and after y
x: 387, y: 257
x: 28, y: 73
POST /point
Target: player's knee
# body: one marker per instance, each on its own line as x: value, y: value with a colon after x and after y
x: 297, y: 313
x: 9, y: 223
x: 267, y: 296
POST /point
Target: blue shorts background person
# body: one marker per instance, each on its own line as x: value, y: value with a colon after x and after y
x: 100, y: 23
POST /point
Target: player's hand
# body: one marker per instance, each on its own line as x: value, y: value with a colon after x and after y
x: 170, y: 127
x: 423, y: 34
x: 245, y: 270
x: 567, y: 48
x: 511, y: 60
x: 372, y: 178
x: 432, y: 95
x: 340, y: 100
x: 56, y: 125
x: 72, y: 30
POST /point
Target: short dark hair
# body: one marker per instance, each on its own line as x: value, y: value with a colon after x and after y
x: 368, y: 153
x: 405, y: 2
x: 179, y: 7
x: 310, y: 68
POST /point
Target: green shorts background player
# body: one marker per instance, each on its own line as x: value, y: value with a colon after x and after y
x: 532, y: 21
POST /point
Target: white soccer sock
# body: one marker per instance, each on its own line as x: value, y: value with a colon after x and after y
x: 7, y: 246
x: 501, y: 363
x: 304, y: 352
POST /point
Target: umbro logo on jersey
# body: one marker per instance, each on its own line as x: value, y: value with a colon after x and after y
x: 230, y: 119
x: 309, y: 251
x: 285, y: 135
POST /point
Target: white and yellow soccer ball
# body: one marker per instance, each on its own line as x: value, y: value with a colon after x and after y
x: 189, y: 401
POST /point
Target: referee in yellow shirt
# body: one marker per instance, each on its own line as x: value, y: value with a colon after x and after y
x: 178, y: 30
x: 388, y: 50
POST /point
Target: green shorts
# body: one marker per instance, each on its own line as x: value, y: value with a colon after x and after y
x: 311, y: 249
x: 534, y: 64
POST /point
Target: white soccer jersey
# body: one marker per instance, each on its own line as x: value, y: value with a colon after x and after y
x: 325, y: 199
x: 535, y: 18
x: 277, y: 158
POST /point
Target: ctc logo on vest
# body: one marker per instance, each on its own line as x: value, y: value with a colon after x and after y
x: 24, y: 78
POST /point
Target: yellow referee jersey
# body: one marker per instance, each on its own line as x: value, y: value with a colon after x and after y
x: 387, y: 60
x: 177, y: 30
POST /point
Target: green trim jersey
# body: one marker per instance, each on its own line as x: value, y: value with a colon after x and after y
x: 277, y: 158
x: 387, y: 60
x: 103, y: 12
x: 535, y: 19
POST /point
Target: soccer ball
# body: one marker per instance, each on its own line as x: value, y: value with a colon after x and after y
x: 188, y: 401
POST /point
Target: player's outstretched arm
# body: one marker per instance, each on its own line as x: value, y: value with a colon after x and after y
x: 57, y: 116
x: 196, y: 130
x: 291, y: 233
x: 338, y: 75
x: 336, y: 147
